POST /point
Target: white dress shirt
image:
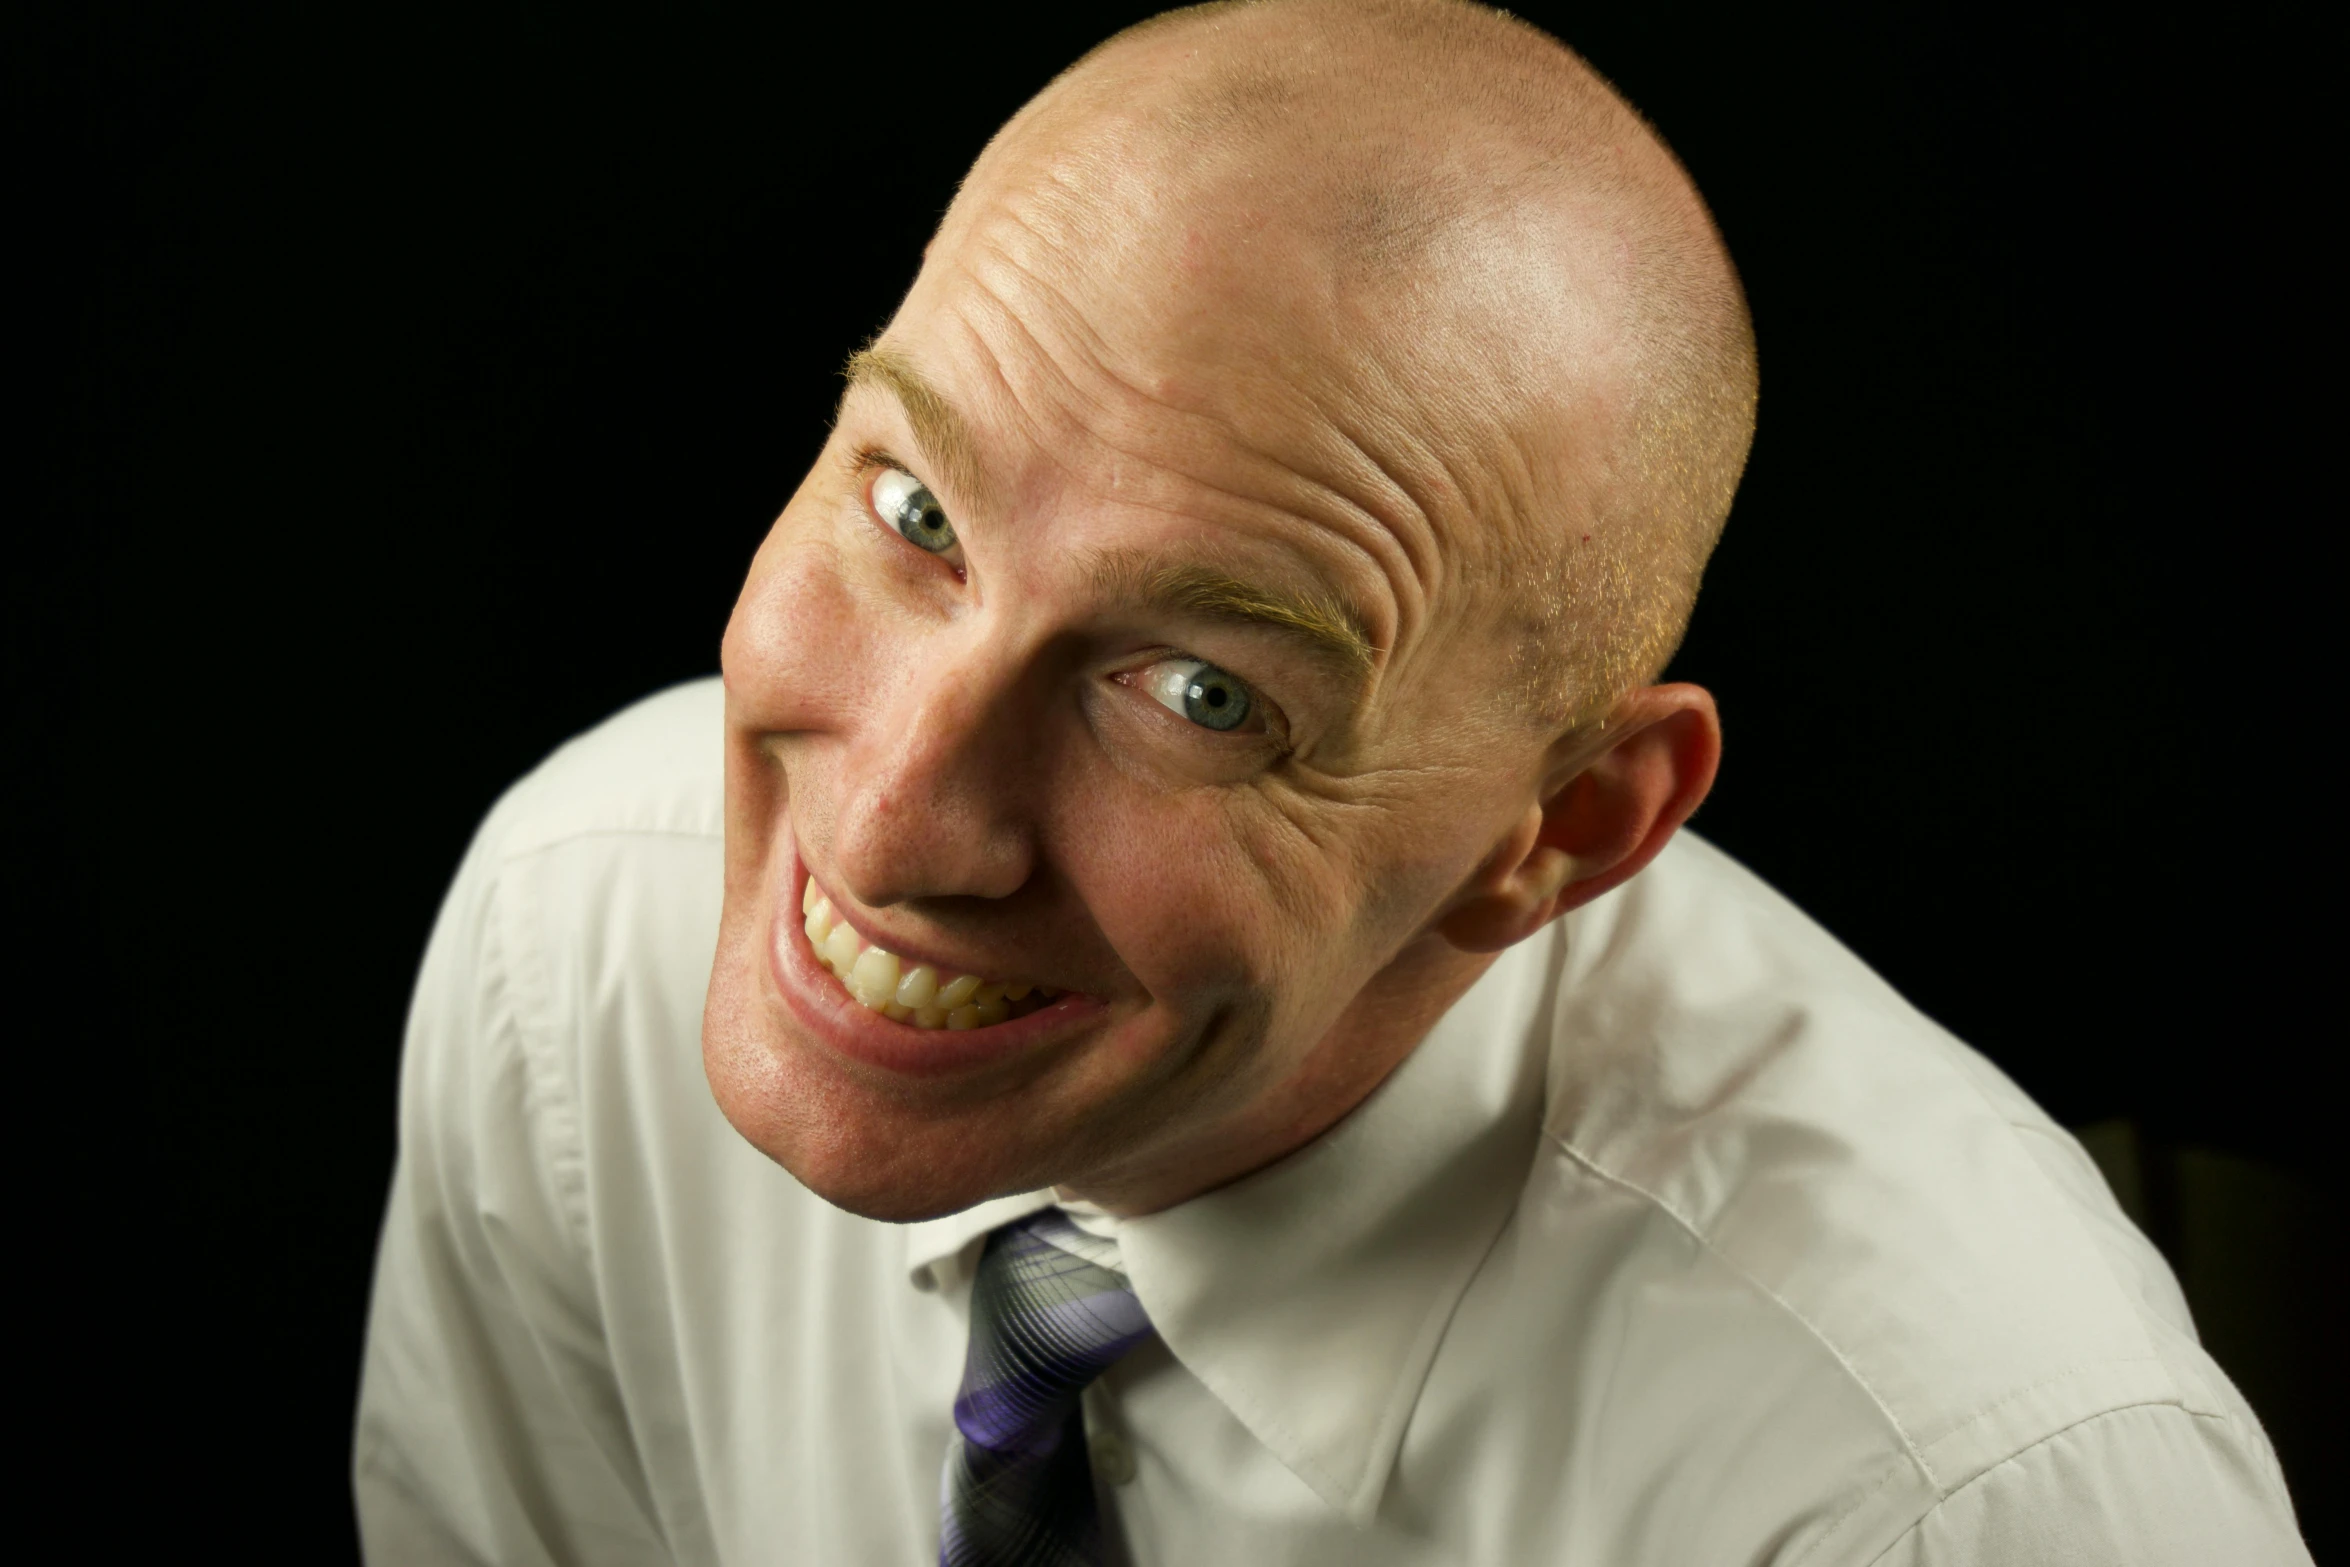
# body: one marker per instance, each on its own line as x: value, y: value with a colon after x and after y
x: 1682, y: 1240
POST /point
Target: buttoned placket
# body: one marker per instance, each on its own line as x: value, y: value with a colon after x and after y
x: 1111, y: 1449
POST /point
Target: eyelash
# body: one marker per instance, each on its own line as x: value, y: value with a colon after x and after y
x: 862, y: 464
x: 859, y: 467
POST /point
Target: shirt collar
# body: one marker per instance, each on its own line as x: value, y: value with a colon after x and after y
x: 933, y: 1245
x: 1310, y: 1297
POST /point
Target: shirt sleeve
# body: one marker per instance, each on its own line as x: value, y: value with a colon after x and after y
x: 2148, y: 1486
x: 490, y: 1426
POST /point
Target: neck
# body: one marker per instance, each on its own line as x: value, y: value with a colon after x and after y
x: 1381, y: 1027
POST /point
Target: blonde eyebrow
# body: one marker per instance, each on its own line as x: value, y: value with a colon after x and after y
x: 1324, y: 623
x: 944, y: 437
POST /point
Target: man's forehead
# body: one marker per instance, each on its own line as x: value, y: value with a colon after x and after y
x: 1212, y: 388
x: 1200, y: 345
x: 1264, y: 567
x: 1432, y: 372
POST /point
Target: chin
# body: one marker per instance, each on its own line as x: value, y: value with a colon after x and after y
x: 853, y: 1146
x: 893, y: 1201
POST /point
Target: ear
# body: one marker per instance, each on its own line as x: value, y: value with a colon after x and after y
x: 1612, y: 798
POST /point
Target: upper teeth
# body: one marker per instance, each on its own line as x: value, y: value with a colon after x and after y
x: 909, y: 993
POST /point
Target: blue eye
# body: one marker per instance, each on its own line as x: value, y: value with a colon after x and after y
x: 906, y: 504
x: 1199, y: 691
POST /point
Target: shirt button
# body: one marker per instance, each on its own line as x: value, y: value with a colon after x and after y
x: 1113, y: 1460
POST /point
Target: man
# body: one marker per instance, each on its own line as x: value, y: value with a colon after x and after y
x: 1212, y: 1050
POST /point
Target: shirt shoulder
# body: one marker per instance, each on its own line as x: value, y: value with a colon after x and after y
x: 653, y: 767
x: 598, y: 878
x: 574, y: 941
x: 1875, y: 1197
x: 2151, y: 1485
x: 570, y: 951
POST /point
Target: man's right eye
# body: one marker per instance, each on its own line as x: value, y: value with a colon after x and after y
x: 906, y: 504
x: 1210, y: 697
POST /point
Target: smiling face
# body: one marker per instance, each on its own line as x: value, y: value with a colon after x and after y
x: 1119, y: 712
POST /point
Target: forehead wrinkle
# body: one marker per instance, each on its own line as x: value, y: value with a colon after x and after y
x: 1328, y: 502
x: 1455, y: 448
x: 1012, y: 286
x: 941, y: 431
x: 1057, y: 412
x: 1038, y: 293
x: 1423, y: 561
x: 1043, y: 432
x: 1332, y: 622
x: 1010, y: 247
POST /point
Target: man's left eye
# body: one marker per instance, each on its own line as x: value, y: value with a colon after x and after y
x: 1201, y: 692
x: 906, y: 504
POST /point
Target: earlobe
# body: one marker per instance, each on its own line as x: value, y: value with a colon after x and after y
x: 1515, y: 903
x: 1620, y: 795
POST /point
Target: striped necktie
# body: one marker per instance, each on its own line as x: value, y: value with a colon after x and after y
x: 1018, y: 1489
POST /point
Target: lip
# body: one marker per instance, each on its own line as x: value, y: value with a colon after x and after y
x: 864, y: 1036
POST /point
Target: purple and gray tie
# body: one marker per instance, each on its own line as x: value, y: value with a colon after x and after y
x: 1018, y: 1490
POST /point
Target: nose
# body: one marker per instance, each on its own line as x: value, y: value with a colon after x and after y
x: 934, y: 785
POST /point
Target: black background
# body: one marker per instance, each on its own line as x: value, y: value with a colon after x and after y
x: 411, y: 392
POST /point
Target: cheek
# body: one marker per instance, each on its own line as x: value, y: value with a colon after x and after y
x: 1337, y: 890
x: 1150, y: 874
x: 797, y: 642
x: 1180, y: 885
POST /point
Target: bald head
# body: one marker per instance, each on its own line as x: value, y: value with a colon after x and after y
x: 1308, y: 415
x: 1449, y: 212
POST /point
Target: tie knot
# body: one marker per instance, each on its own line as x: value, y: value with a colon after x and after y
x: 1045, y: 1321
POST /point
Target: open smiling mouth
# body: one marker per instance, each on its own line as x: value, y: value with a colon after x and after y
x: 915, y: 994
